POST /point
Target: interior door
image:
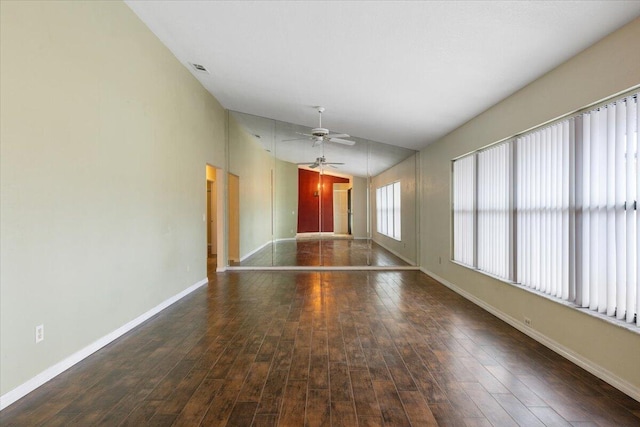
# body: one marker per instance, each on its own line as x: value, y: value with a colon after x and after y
x: 340, y: 209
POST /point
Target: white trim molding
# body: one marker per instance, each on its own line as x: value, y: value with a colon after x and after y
x: 53, y: 371
x: 597, y: 370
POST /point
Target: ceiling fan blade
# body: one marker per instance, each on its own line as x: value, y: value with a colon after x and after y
x: 295, y: 139
x: 337, y: 135
x: 307, y: 164
x: 342, y: 141
x: 325, y: 163
x: 314, y: 165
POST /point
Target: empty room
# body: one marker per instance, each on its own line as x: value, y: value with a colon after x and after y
x: 319, y: 213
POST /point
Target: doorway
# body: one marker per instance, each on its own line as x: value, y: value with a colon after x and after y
x: 212, y: 247
x: 341, y: 209
x: 234, y: 219
x: 215, y: 226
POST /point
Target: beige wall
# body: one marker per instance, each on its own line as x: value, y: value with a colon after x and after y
x: 609, y: 67
x: 105, y: 137
x: 359, y: 207
x: 286, y: 200
x: 405, y: 172
x: 254, y: 166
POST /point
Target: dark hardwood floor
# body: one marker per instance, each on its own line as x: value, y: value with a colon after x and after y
x: 324, y: 349
x: 322, y: 252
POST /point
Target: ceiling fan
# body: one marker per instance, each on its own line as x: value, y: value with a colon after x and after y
x: 319, y: 135
x: 320, y: 161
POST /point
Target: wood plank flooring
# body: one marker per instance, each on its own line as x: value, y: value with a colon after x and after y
x: 324, y: 349
x: 322, y: 252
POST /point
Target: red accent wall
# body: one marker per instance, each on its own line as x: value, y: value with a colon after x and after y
x: 308, y: 203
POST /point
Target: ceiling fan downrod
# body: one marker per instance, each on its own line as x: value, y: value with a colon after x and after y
x: 320, y: 111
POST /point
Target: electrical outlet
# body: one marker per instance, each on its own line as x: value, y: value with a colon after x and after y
x: 439, y: 260
x: 39, y: 333
x: 527, y: 322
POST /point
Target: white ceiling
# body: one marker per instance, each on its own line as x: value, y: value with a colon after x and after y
x: 403, y: 73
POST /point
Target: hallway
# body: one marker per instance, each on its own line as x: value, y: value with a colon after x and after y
x: 330, y: 348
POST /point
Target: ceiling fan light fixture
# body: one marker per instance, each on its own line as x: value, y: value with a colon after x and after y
x: 319, y: 135
x: 319, y: 132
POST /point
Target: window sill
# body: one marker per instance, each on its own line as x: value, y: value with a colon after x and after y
x: 631, y: 327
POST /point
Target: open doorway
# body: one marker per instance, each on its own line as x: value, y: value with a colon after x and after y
x: 341, y: 208
x: 234, y: 219
x: 215, y: 238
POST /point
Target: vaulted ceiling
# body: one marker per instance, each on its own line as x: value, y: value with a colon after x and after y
x: 402, y: 73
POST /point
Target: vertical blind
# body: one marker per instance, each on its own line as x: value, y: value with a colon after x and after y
x: 573, y: 189
x: 379, y: 205
x: 464, y: 199
x: 494, y: 213
x: 607, y: 245
x: 388, y: 211
x: 543, y: 184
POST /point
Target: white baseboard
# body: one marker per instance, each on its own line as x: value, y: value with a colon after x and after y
x: 326, y: 268
x: 51, y: 372
x: 595, y: 369
x: 405, y: 259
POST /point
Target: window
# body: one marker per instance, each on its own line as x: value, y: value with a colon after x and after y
x: 544, y: 212
x: 464, y: 206
x: 482, y: 211
x: 608, y: 178
x: 388, y: 210
x: 556, y: 210
x: 493, y: 211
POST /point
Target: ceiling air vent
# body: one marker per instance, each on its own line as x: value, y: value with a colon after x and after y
x: 200, y: 68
